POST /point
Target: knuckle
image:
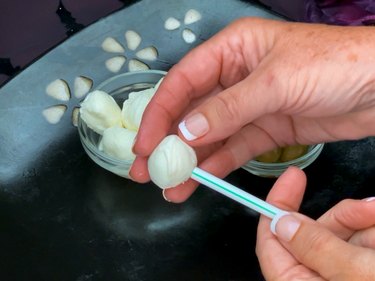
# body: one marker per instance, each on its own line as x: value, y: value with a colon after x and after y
x: 317, y: 244
x: 346, y: 202
x: 240, y: 22
x: 227, y: 108
x: 346, y: 212
x: 246, y: 22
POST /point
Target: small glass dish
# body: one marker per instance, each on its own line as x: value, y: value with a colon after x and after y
x: 274, y: 170
x: 119, y: 88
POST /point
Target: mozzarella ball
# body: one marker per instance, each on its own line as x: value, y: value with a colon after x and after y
x: 171, y: 163
x: 117, y: 142
x: 100, y: 111
x: 134, y: 106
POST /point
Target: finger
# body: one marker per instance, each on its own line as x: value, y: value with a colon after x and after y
x: 252, y: 140
x: 249, y: 142
x: 178, y: 194
x: 364, y: 238
x: 309, y: 242
x: 238, y: 149
x: 138, y: 171
x: 139, y: 168
x: 228, y: 158
x: 319, y: 249
x: 227, y: 112
x: 218, y: 164
x: 286, y: 193
x: 225, y: 59
x: 349, y: 216
x: 179, y: 88
x: 197, y: 74
x: 182, y: 192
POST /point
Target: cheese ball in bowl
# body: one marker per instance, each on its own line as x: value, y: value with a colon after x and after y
x: 109, y: 118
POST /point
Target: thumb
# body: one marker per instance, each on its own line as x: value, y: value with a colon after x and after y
x: 316, y: 247
x: 227, y: 112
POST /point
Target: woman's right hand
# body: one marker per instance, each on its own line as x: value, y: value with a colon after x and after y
x: 259, y: 84
x: 340, y: 245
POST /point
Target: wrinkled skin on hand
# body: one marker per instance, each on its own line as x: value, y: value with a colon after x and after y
x: 340, y: 245
x: 261, y: 84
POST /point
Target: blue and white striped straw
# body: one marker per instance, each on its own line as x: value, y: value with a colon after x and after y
x: 236, y: 194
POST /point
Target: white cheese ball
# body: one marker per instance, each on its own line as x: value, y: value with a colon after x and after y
x: 134, y: 106
x: 171, y: 163
x: 117, y: 142
x: 100, y: 111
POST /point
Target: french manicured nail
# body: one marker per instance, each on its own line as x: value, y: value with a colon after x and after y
x: 165, y: 197
x: 194, y: 127
x: 285, y: 226
x: 370, y: 199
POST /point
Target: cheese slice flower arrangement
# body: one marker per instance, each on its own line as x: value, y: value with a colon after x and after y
x: 118, y: 127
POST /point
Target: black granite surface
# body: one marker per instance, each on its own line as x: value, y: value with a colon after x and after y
x: 64, y: 218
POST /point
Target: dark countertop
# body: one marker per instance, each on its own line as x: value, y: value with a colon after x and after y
x: 29, y: 29
x: 64, y: 218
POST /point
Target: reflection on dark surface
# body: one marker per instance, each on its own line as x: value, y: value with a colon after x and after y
x: 65, y: 218
x: 119, y: 209
x: 88, y: 222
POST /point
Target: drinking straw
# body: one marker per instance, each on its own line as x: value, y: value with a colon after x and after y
x: 236, y: 194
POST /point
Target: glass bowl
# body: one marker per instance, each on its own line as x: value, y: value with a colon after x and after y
x: 274, y: 170
x: 119, y: 88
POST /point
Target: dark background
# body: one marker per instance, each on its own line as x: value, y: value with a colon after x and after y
x: 30, y: 28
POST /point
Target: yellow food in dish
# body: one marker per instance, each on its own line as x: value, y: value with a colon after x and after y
x: 283, y: 154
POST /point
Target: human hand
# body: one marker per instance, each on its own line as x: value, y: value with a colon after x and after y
x: 340, y: 245
x: 259, y: 84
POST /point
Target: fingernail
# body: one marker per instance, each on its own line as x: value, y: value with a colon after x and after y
x: 275, y: 220
x: 194, y: 127
x: 165, y: 197
x: 370, y: 199
x: 285, y: 226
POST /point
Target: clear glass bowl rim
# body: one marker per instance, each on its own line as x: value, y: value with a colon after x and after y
x: 316, y: 148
